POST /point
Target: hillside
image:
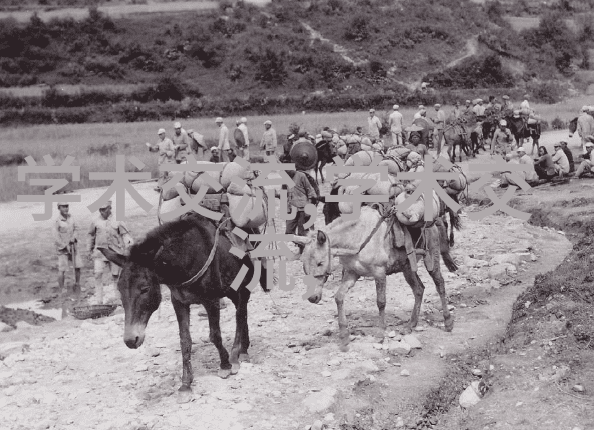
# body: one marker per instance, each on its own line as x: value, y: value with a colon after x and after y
x: 241, y: 56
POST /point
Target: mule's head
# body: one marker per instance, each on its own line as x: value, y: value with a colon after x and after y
x: 140, y: 291
x: 317, y: 260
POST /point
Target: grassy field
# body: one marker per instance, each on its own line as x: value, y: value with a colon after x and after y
x: 83, y: 141
x: 520, y: 23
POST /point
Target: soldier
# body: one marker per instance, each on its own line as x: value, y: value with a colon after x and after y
x: 507, y: 104
x: 396, y: 126
x: 65, y: 232
x: 181, y: 141
x: 166, y: 151
x: 105, y: 232
x: 502, y: 139
x: 268, y: 142
x: 439, y: 126
x: 198, y: 146
x: 375, y: 125
x: 224, y: 145
x: 244, y: 151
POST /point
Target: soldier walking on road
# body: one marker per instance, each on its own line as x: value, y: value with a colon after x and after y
x: 166, y: 151
x: 65, y: 232
x: 105, y: 232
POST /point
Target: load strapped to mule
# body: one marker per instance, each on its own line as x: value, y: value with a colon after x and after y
x: 248, y: 205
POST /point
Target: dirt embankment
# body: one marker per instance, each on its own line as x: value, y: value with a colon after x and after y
x: 543, y: 367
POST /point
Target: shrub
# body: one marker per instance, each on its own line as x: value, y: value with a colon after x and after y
x: 558, y: 124
x: 170, y: 88
x: 270, y: 68
x: 358, y: 29
x: 546, y: 92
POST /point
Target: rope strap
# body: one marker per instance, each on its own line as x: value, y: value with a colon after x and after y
x: 210, y: 257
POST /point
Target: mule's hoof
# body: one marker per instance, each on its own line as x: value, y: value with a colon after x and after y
x: 185, y: 389
x: 244, y: 358
x: 449, y: 325
x: 406, y: 329
x: 224, y: 373
x: 234, y: 368
x: 344, y: 347
x: 184, y: 396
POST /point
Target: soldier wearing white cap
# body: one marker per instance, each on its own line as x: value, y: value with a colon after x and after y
x: 106, y: 232
x: 374, y: 124
x: 223, y: 145
x: 507, y: 104
x: 269, y: 142
x: 587, y: 164
x: 502, y: 139
x: 439, y: 125
x: 166, y: 151
x: 181, y: 141
x: 243, y: 144
x: 395, y: 123
x: 585, y: 126
x: 66, y: 241
x: 467, y: 106
x: 478, y: 109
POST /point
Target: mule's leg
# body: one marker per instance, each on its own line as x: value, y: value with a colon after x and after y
x: 434, y: 250
x: 182, y: 312
x: 242, y: 322
x: 322, y: 164
x: 380, y: 288
x: 348, y: 280
x: 214, y: 316
x: 418, y: 289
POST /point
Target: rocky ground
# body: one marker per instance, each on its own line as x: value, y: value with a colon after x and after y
x: 79, y: 374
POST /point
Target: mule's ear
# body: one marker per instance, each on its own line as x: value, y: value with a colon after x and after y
x: 113, y: 256
x: 302, y: 240
x: 321, y: 237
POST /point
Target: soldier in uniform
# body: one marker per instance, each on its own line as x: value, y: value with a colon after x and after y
x: 65, y: 238
x: 166, y: 151
x: 105, y: 232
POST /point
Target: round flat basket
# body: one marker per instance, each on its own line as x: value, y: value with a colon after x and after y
x: 93, y: 311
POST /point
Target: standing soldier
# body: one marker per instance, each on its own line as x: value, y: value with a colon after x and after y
x: 181, y: 141
x: 457, y: 113
x: 507, y: 104
x: 246, y: 138
x: 298, y: 197
x: 419, y: 113
x: 395, y: 124
x: 105, y: 232
x: 439, y: 126
x: 585, y: 126
x: 166, y: 151
x: 223, y: 145
x: 374, y: 124
x: 268, y: 142
x: 502, y: 138
x: 65, y: 230
x: 239, y: 138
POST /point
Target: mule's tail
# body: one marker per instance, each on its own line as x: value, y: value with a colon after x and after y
x: 449, y: 261
x: 455, y: 219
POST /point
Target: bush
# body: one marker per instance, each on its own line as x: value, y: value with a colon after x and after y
x: 270, y: 68
x: 558, y: 124
x: 473, y: 73
x: 358, y: 29
x: 546, y: 92
x: 170, y: 88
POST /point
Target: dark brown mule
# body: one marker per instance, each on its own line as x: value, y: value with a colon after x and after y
x: 173, y: 254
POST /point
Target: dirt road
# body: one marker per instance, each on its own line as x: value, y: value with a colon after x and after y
x: 122, y: 10
x: 72, y: 374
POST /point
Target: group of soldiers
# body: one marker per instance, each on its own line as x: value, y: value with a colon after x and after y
x: 104, y: 232
x: 176, y: 149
